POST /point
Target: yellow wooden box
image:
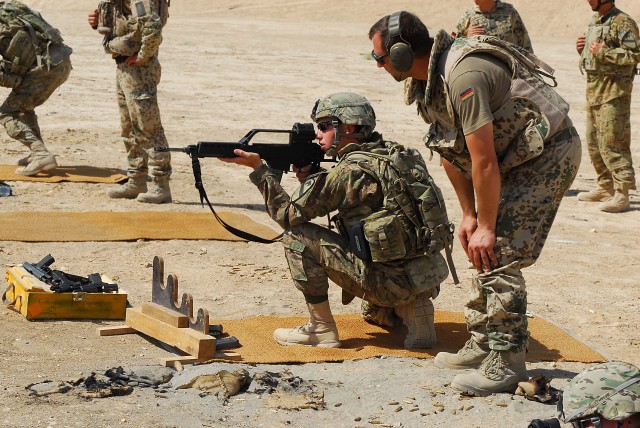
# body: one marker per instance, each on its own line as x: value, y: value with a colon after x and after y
x: 33, y: 299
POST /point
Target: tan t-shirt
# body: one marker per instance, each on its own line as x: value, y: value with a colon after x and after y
x: 478, y: 86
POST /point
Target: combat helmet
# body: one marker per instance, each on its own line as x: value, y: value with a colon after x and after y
x: 349, y: 108
x: 611, y: 390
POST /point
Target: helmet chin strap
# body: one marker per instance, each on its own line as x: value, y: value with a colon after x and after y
x: 337, y: 136
x: 600, y: 4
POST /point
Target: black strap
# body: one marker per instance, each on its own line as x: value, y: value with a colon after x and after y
x: 197, y: 175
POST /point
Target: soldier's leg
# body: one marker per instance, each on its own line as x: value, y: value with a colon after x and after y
x: 142, y: 104
x: 17, y: 115
x: 604, y: 188
x: 616, y: 152
x: 531, y: 196
x: 137, y: 157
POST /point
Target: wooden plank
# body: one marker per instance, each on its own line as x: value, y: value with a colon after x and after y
x: 166, y: 315
x: 115, y: 330
x: 177, y: 361
x: 188, y: 340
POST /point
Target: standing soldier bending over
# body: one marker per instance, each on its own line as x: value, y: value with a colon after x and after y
x: 133, y: 33
x: 403, y: 272
x: 609, y: 53
x: 494, y: 18
x: 34, y: 64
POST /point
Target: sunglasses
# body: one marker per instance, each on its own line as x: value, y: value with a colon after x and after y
x: 379, y: 58
x: 323, y: 126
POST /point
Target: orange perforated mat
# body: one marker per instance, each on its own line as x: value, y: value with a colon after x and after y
x: 79, y: 173
x: 38, y: 226
x: 361, y: 340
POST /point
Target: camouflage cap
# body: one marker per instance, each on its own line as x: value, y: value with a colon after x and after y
x: 347, y: 107
x: 610, y: 389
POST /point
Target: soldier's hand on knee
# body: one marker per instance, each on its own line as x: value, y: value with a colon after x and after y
x: 93, y: 19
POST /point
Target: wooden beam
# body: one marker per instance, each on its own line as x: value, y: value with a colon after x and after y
x: 187, y: 340
x: 115, y: 330
x: 166, y: 315
x: 177, y: 361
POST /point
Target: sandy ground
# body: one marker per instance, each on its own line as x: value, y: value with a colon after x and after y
x: 232, y: 66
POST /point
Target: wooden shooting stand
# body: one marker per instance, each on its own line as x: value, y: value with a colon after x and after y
x: 164, y: 320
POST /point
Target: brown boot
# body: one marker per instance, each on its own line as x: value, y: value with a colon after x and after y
x: 499, y: 372
x: 40, y: 161
x: 418, y: 316
x: 159, y: 193
x: 596, y: 195
x: 469, y: 357
x: 321, y: 330
x: 619, y: 203
x: 129, y: 190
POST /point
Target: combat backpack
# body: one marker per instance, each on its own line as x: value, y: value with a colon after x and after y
x: 31, y: 39
x: 413, y: 221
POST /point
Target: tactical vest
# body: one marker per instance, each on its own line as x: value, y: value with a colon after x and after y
x: 601, y: 32
x: 499, y: 23
x: 413, y: 221
x: 533, y: 112
x: 27, y: 39
x: 118, y: 21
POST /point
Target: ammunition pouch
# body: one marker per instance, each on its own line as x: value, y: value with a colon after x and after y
x: 21, y: 53
x: 10, y: 80
x: 386, y: 236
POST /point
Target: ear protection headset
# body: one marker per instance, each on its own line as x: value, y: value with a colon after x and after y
x: 400, y: 51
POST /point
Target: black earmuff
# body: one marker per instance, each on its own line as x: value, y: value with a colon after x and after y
x: 400, y: 51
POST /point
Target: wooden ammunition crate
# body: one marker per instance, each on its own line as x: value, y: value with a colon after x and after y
x: 33, y: 299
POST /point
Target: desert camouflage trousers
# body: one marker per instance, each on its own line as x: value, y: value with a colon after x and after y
x: 142, y: 130
x: 531, y: 195
x: 17, y: 113
x: 316, y: 254
x: 609, y: 143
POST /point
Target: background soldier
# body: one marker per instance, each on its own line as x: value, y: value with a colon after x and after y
x: 510, y: 161
x: 133, y: 33
x: 494, y: 18
x: 354, y: 189
x: 609, y: 53
x: 34, y: 64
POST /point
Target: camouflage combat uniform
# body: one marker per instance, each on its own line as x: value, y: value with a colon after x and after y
x: 138, y: 31
x: 609, y: 83
x: 503, y: 22
x: 316, y: 254
x: 538, y: 154
x: 33, y: 70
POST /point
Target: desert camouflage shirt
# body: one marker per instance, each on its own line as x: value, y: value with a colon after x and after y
x: 610, y: 72
x: 503, y: 22
x: 345, y: 188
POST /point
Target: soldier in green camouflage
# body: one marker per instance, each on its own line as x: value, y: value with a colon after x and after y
x: 317, y: 254
x: 494, y: 18
x: 132, y: 35
x: 604, y: 396
x: 34, y: 64
x: 511, y: 152
x: 609, y: 54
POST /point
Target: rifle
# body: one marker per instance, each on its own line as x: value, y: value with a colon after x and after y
x: 301, y: 151
x: 63, y: 282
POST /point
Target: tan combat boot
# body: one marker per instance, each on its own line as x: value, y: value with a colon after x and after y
x: 619, y: 203
x: 596, y: 195
x: 469, y: 357
x: 418, y: 316
x: 320, y: 331
x: 159, y: 193
x: 379, y: 315
x: 499, y: 372
x: 40, y: 161
x: 129, y: 190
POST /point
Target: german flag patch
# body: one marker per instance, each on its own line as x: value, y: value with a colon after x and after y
x: 467, y: 94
